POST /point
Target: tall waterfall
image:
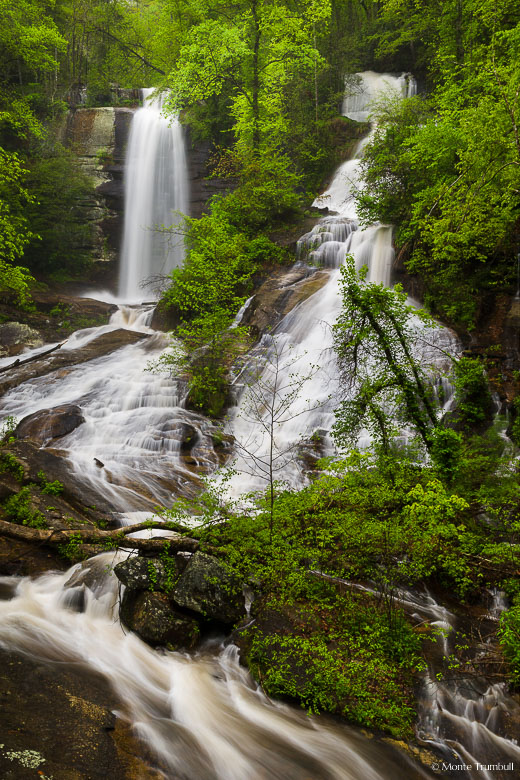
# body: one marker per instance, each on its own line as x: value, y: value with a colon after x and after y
x: 156, y: 193
x: 302, y: 343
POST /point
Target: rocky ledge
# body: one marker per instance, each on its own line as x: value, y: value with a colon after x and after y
x: 61, y: 725
x: 174, y: 601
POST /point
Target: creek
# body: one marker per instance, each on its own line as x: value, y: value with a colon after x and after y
x: 202, y: 715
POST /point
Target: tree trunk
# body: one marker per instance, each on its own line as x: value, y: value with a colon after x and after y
x: 116, y: 538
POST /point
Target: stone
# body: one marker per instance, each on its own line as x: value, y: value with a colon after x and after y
x: 279, y: 294
x: 153, y: 618
x: 207, y: 588
x: 65, y: 713
x: 140, y: 573
x: 17, y: 336
x: 49, y: 424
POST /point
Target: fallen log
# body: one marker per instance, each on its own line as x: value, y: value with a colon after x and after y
x: 119, y: 537
x: 17, y: 363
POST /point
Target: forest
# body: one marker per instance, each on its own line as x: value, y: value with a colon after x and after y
x: 332, y: 447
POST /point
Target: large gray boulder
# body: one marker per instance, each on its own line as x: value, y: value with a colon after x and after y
x: 206, y: 587
x: 140, y: 573
x: 153, y: 618
x: 49, y: 424
x: 16, y: 336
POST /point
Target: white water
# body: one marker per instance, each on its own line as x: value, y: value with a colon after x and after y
x: 203, y: 717
x: 156, y: 193
x: 300, y: 376
x: 135, y: 420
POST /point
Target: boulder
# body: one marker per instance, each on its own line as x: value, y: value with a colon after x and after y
x: 206, y: 587
x: 49, y: 424
x: 16, y: 336
x: 152, y: 618
x: 140, y: 573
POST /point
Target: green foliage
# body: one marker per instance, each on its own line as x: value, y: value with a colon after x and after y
x: 60, y: 190
x: 473, y: 399
x: 152, y: 575
x: 18, y: 509
x: 72, y: 550
x: 207, y: 292
x: 443, y: 170
x: 509, y: 635
x: 446, y: 451
x: 14, y: 227
x: 54, y: 488
x: 266, y: 195
x: 248, y: 55
x: 9, y: 424
x: 374, y: 339
x: 515, y: 425
x: 342, y: 660
x: 170, y: 568
x: 9, y: 462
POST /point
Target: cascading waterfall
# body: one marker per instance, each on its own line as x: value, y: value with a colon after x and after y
x: 156, y: 194
x: 302, y: 343
x: 202, y: 715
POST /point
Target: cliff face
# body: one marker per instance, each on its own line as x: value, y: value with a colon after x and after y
x: 98, y: 137
x: 202, y: 188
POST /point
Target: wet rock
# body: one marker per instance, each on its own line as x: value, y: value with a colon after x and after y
x: 64, y: 713
x: 152, y: 617
x: 103, y: 345
x: 140, y: 573
x: 189, y: 437
x: 206, y: 587
x: 16, y: 336
x: 59, y: 311
x: 77, y: 497
x: 284, y: 290
x: 49, y: 424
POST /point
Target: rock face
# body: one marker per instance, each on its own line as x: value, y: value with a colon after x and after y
x: 103, y: 345
x: 153, y: 618
x: 281, y: 292
x: 140, y: 573
x: 202, y: 188
x: 171, y: 605
x: 98, y: 136
x: 57, y: 313
x: 49, y: 424
x: 64, y: 715
x: 16, y: 336
x: 207, y: 588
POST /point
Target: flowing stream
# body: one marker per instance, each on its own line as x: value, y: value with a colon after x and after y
x: 202, y: 715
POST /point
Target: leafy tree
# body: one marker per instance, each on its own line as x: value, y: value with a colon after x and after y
x: 373, y: 338
x: 60, y: 190
x: 249, y: 54
x: 445, y: 170
x: 14, y: 228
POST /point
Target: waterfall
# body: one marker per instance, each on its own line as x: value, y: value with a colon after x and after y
x: 302, y: 343
x: 202, y: 715
x: 156, y: 193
